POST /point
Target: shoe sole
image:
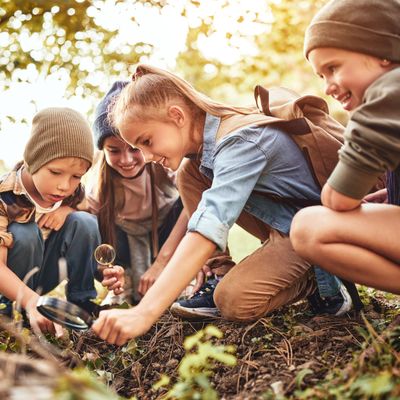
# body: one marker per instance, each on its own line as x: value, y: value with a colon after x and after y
x: 192, y: 313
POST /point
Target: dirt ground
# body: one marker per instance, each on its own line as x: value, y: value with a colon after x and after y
x: 271, y: 353
x: 277, y: 356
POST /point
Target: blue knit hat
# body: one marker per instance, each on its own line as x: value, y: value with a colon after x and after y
x: 101, y: 127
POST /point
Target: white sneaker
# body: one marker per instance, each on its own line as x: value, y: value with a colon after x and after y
x: 113, y: 300
x: 347, y: 303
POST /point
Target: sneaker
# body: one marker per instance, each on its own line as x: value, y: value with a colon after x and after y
x: 201, y: 304
x: 337, y: 305
x: 113, y: 299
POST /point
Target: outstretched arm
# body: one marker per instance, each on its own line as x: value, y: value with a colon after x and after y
x: 13, y: 288
x: 118, y: 326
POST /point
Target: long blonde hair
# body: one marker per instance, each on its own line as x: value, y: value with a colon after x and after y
x: 153, y: 89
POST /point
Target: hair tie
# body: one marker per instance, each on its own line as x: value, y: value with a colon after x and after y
x: 138, y: 73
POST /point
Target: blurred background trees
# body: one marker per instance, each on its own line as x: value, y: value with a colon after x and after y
x: 224, y: 47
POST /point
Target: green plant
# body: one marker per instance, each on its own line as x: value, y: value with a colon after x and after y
x: 80, y: 384
x: 197, y: 366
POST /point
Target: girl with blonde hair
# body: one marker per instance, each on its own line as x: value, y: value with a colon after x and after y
x: 224, y: 177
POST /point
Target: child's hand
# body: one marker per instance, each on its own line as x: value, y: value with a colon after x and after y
x: 114, y: 279
x: 55, y: 219
x: 149, y: 277
x: 41, y: 324
x: 380, y: 196
x: 118, y: 326
x: 201, y: 277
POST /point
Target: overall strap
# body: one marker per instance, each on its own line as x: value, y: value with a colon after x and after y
x: 154, y: 212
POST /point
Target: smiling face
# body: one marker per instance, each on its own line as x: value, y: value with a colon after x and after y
x: 159, y: 142
x: 347, y: 74
x: 166, y: 141
x: 123, y: 158
x: 56, y: 180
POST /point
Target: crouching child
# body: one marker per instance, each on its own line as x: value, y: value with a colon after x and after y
x: 39, y: 222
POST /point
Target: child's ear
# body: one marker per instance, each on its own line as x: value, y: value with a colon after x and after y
x: 177, y: 115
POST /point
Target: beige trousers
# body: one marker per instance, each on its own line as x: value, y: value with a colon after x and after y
x: 270, y: 277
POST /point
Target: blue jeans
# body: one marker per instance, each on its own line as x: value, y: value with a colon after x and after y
x: 328, y: 284
x: 75, y: 241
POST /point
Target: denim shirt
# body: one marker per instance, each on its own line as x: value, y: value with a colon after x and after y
x: 250, y: 160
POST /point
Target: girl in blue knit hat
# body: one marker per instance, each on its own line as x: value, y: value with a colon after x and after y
x: 137, y: 204
x: 354, y: 46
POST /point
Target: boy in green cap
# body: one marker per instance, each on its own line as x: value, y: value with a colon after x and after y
x: 354, y: 46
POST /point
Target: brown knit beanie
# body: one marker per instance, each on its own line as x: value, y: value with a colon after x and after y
x: 58, y: 133
x: 364, y: 26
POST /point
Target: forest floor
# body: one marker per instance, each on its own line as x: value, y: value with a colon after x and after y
x: 290, y: 354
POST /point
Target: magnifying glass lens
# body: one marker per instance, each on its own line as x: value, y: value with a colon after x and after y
x: 104, y: 254
x: 64, y: 313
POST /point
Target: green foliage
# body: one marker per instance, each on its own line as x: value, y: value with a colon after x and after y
x: 376, y: 377
x: 373, y: 386
x: 44, y: 37
x: 80, y: 384
x: 301, y: 375
x: 68, y: 38
x: 197, y: 366
x: 10, y: 344
x: 278, y: 51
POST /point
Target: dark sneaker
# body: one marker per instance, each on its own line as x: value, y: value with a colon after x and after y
x: 201, y: 304
x: 335, y: 305
x: 6, y: 307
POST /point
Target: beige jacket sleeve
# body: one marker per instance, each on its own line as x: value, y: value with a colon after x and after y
x: 6, y: 238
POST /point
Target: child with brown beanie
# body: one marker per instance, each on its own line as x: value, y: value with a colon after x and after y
x: 39, y: 223
x: 355, y: 47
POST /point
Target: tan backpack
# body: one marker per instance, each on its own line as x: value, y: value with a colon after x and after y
x: 306, y: 119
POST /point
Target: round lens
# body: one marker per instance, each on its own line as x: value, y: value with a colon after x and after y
x: 64, y: 313
x: 104, y: 254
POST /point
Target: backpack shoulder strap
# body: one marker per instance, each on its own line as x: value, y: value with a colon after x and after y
x: 234, y: 122
x: 324, y: 138
x: 285, y: 103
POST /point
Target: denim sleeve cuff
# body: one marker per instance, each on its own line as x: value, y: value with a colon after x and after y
x: 351, y: 181
x: 208, y: 225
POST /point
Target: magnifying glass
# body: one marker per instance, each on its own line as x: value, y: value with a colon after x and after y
x: 64, y: 313
x: 105, y: 256
x: 68, y: 314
